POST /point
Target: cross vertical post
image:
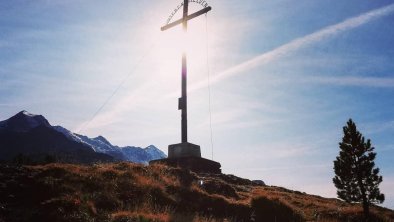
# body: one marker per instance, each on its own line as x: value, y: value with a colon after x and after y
x: 183, y: 99
x: 182, y: 102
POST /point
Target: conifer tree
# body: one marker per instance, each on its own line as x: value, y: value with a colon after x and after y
x: 356, y: 177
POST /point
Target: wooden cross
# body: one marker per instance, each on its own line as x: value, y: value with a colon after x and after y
x: 182, y: 102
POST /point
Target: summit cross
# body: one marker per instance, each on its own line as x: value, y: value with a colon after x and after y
x: 182, y: 102
x: 187, y: 155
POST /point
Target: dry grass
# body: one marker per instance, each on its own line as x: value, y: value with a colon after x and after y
x: 316, y: 208
x: 132, y: 192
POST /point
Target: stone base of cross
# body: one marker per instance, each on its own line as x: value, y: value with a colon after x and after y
x: 188, y: 156
x: 184, y: 150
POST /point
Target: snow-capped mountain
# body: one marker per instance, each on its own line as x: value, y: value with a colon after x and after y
x: 154, y: 153
x: 27, y: 133
x: 128, y: 153
x: 67, y: 133
x: 98, y: 144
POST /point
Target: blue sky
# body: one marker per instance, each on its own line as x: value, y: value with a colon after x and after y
x: 285, y: 77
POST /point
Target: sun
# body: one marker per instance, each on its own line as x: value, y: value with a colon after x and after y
x: 193, y: 41
x: 173, y: 43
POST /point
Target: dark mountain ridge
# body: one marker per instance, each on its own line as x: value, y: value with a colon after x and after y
x: 33, y: 136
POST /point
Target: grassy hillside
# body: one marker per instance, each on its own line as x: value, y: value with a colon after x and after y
x: 130, y: 192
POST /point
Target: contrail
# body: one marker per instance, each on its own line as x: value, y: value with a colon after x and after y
x: 381, y: 82
x: 301, y: 42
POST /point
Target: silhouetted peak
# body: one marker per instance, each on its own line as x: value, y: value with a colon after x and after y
x: 24, y: 121
x: 25, y: 113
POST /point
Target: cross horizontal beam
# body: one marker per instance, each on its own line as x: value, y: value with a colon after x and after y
x: 191, y: 16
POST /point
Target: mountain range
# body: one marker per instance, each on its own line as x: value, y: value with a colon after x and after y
x: 33, y: 136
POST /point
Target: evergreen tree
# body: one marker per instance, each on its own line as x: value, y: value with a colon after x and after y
x: 356, y: 177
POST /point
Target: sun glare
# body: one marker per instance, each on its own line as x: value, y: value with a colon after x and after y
x: 178, y: 41
x: 172, y: 43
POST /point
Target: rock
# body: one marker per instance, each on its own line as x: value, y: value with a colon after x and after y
x: 259, y: 182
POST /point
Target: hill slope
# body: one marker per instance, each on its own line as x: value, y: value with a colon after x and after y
x: 132, y: 192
